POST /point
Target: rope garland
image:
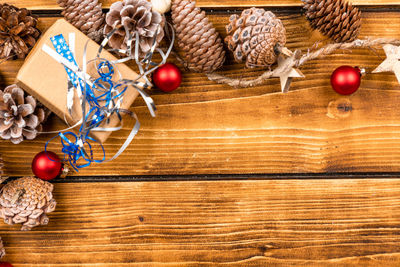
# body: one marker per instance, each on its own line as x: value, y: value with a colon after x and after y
x: 300, y: 60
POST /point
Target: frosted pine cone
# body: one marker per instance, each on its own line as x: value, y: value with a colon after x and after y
x: 256, y: 37
x: 197, y: 39
x: 18, y: 32
x: 27, y: 200
x: 86, y: 15
x: 21, y: 116
x: 337, y: 19
x: 129, y: 16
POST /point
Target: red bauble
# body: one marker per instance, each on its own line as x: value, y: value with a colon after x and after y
x: 46, y: 165
x: 5, y: 264
x: 167, y: 77
x: 345, y: 80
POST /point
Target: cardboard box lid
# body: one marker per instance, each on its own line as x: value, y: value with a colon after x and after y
x: 46, y: 79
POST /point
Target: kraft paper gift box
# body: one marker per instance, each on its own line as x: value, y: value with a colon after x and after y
x: 47, y: 80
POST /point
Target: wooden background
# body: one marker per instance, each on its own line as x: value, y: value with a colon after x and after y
x: 229, y: 176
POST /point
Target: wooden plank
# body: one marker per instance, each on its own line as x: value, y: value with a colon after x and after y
x: 205, y: 128
x: 52, y: 5
x: 252, y: 223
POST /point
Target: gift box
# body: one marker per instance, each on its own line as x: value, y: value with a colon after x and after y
x: 47, y: 80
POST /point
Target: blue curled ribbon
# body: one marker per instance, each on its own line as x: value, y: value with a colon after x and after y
x: 103, y: 97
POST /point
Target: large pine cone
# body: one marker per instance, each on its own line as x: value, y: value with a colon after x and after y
x: 18, y: 32
x: 27, y: 200
x: 21, y: 116
x: 197, y: 39
x: 130, y: 16
x: 337, y: 19
x: 257, y: 37
x: 86, y: 15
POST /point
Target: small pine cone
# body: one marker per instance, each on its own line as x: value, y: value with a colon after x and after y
x: 27, y: 200
x: 86, y: 15
x: 257, y: 37
x: 197, y: 39
x: 21, y: 116
x: 131, y: 16
x: 18, y: 32
x: 337, y: 19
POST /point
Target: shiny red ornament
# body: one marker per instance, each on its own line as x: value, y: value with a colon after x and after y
x: 5, y: 264
x: 46, y: 165
x: 167, y: 77
x: 345, y: 80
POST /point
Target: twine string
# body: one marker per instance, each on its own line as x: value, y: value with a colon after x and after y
x: 322, y: 52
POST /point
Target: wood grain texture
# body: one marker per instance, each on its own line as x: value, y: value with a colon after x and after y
x: 206, y: 128
x: 240, y: 223
x: 52, y: 4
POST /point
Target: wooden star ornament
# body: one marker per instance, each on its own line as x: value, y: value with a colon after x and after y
x: 286, y: 76
x: 392, y: 61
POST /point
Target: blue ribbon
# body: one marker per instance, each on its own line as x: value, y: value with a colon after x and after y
x: 103, y: 96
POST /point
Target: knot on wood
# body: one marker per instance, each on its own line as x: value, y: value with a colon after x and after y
x: 339, y: 109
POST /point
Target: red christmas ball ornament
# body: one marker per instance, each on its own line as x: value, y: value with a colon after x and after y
x: 345, y: 80
x: 5, y: 264
x: 47, y: 165
x: 167, y: 77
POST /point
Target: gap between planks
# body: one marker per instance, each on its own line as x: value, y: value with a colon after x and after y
x: 226, y: 177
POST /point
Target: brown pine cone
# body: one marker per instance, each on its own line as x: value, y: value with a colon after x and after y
x: 86, y: 15
x: 257, y: 37
x: 337, y: 19
x: 18, y: 32
x: 197, y: 39
x: 21, y: 115
x: 130, y: 16
x: 27, y: 200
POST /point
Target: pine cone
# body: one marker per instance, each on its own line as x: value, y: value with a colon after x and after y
x: 18, y: 32
x: 257, y: 37
x: 21, y: 116
x: 197, y: 39
x: 130, y: 16
x: 27, y: 200
x: 336, y: 19
x: 86, y: 15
